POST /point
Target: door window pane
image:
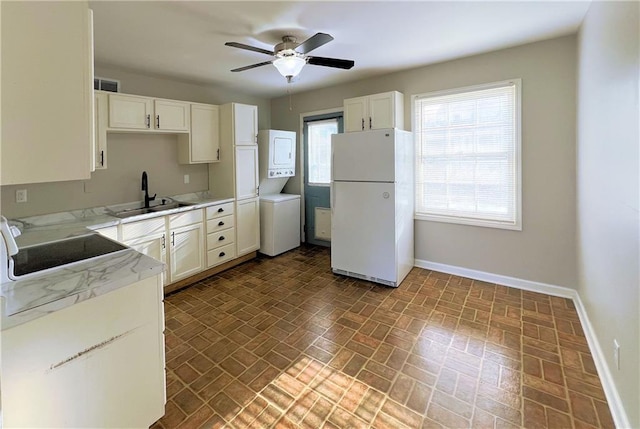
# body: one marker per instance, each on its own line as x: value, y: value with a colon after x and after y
x: 319, y: 152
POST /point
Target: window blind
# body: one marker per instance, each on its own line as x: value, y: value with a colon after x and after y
x: 468, y: 155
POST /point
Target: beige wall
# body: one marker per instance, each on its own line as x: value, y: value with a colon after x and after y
x: 130, y: 154
x: 544, y: 251
x: 608, y: 185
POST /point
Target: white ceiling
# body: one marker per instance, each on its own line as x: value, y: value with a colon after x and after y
x: 185, y: 39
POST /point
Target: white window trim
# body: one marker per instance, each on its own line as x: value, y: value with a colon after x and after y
x: 517, y: 225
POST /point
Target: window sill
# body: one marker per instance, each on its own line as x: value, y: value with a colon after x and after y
x: 471, y: 222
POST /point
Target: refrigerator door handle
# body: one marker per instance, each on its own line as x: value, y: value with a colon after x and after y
x: 333, y: 196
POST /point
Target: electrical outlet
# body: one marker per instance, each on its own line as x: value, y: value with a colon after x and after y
x: 616, y: 354
x: 186, y: 179
x: 21, y: 196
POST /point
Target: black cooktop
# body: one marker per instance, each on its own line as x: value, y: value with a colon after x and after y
x: 44, y: 256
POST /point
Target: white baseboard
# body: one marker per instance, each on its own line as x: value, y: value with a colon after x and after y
x: 529, y: 285
x: 620, y: 417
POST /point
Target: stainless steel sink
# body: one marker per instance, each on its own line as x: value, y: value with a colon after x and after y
x: 142, y: 210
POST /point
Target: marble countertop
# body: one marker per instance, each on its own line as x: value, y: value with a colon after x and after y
x: 39, y: 294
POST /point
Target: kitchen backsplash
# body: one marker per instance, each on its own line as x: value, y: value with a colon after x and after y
x: 128, y: 156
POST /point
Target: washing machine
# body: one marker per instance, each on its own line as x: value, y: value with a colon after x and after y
x: 279, y: 223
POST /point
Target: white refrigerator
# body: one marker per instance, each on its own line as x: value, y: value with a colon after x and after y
x: 372, y: 205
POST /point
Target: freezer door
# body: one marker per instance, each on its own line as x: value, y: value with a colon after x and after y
x: 363, y: 238
x: 366, y: 156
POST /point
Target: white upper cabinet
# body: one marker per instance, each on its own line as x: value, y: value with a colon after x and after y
x: 373, y: 112
x: 47, y: 92
x: 133, y: 112
x: 241, y: 123
x: 101, y: 121
x: 171, y: 115
x: 202, y: 144
x: 130, y: 111
x: 355, y: 110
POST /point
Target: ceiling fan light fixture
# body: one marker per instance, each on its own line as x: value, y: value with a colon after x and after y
x: 289, y: 66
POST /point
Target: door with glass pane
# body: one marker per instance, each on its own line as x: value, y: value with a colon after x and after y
x: 317, y: 173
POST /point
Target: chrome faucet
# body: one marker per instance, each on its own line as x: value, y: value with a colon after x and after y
x: 145, y: 188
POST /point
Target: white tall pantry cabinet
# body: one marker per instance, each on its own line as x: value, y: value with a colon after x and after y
x: 236, y: 175
x: 47, y: 92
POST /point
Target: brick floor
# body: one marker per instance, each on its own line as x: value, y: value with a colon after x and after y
x: 282, y: 342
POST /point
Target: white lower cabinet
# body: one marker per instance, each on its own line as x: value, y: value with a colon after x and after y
x: 221, y: 234
x: 195, y: 240
x: 247, y: 225
x: 186, y: 244
x: 148, y: 237
x: 98, y: 363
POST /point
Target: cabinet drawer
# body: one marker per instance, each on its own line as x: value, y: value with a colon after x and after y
x: 220, y: 255
x: 219, y: 210
x: 142, y: 228
x: 221, y: 238
x: 186, y: 218
x: 218, y: 224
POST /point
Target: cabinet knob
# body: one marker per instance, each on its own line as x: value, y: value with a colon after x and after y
x: 369, y: 122
x: 221, y: 238
x: 363, y: 123
x: 148, y: 121
x: 158, y: 121
x: 221, y: 254
x: 220, y: 223
x: 220, y: 210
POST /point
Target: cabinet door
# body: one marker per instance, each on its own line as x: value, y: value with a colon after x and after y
x: 248, y: 225
x: 186, y: 251
x: 47, y: 95
x: 171, y: 115
x: 154, y: 246
x: 246, y: 172
x: 245, y: 124
x: 205, y: 134
x: 101, y: 120
x: 382, y: 111
x: 105, y: 353
x: 356, y: 114
x: 130, y: 112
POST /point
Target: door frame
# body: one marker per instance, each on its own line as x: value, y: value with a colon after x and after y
x: 303, y: 236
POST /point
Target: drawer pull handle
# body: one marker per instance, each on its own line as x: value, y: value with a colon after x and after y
x: 221, y: 254
x: 221, y: 238
x: 220, y: 210
x: 220, y: 223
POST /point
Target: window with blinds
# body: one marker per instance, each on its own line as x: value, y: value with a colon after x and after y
x: 468, y: 155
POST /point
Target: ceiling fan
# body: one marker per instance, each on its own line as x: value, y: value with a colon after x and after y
x: 291, y: 56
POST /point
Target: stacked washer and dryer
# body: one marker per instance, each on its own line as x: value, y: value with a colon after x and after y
x: 279, y: 213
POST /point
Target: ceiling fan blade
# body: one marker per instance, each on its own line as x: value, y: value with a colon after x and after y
x: 331, y: 62
x: 248, y: 48
x: 252, y: 66
x: 314, y: 42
